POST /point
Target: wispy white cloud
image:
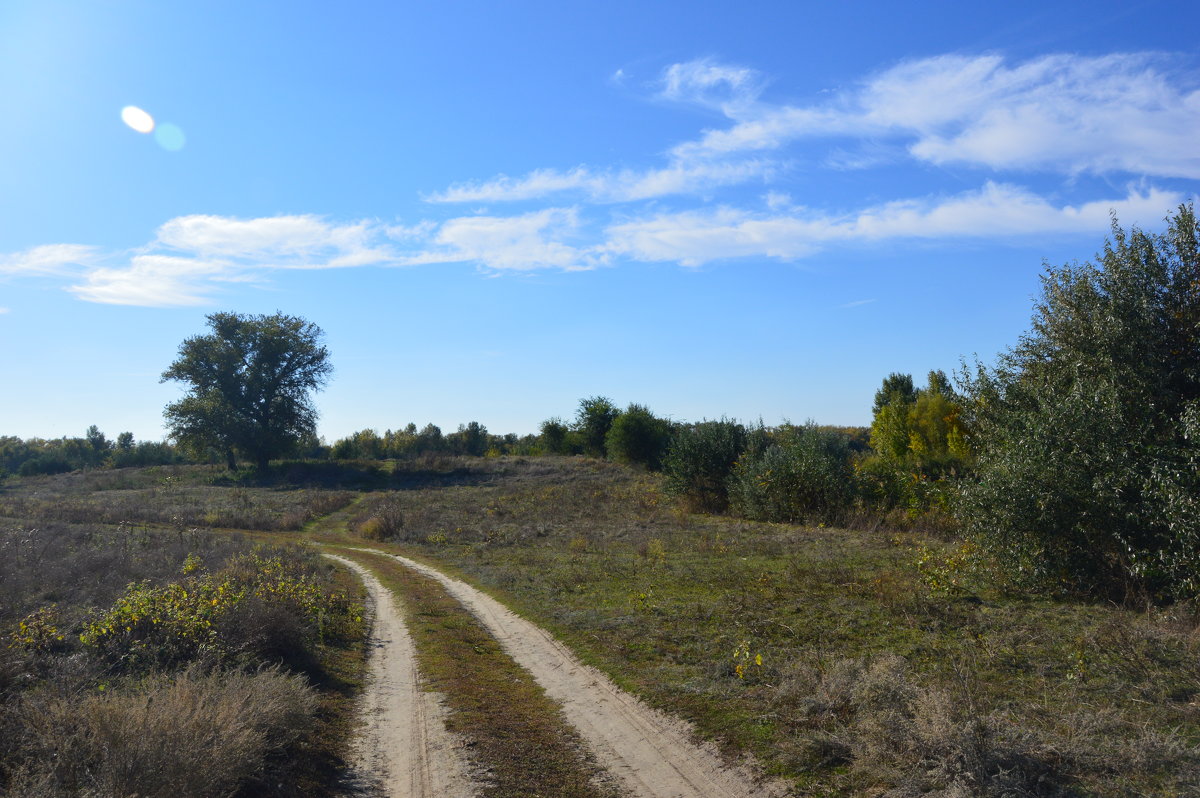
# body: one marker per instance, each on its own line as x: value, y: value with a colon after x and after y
x: 1060, y: 113
x: 858, y: 303
x: 626, y: 185
x: 3, y: 311
x: 708, y: 82
x: 191, y: 257
x: 693, y: 238
x: 154, y: 281
x: 1063, y: 113
x: 48, y: 259
x: 527, y: 242
x: 290, y: 242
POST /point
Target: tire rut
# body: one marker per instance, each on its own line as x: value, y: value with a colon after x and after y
x: 651, y: 753
x: 404, y: 751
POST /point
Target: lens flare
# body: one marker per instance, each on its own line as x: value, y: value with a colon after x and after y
x: 169, y: 137
x: 137, y: 119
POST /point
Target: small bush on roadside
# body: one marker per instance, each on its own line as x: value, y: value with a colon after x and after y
x: 385, y: 522
x: 258, y: 609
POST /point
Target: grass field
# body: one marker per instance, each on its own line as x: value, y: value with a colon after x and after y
x: 851, y: 662
x: 848, y: 661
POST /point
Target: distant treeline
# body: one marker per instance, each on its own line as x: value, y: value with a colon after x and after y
x: 59, y: 455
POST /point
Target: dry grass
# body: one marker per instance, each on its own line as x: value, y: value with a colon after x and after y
x: 192, y: 734
x: 181, y: 498
x: 70, y: 726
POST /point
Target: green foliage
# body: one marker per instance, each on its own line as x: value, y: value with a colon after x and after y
x: 638, y: 437
x: 215, y: 617
x: 897, y: 389
x: 699, y: 461
x: 37, y: 456
x: 804, y: 475
x: 249, y: 384
x: 593, y: 420
x: 922, y: 431
x: 920, y: 444
x: 557, y: 438
x: 471, y: 440
x: 1088, y: 430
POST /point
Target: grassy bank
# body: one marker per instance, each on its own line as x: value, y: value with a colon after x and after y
x: 851, y: 662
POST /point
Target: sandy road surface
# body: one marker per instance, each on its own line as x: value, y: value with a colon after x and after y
x: 652, y: 754
x: 405, y: 750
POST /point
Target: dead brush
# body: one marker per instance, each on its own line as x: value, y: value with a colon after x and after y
x: 195, y: 734
x: 870, y: 715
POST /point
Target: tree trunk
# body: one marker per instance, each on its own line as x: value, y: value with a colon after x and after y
x: 230, y: 460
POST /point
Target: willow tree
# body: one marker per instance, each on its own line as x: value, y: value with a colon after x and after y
x: 250, y: 385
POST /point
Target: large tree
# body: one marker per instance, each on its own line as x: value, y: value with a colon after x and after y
x: 250, y: 384
x: 1088, y: 430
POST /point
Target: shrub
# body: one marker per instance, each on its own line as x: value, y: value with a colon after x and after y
x: 638, y: 437
x: 805, y: 476
x: 593, y: 420
x: 386, y: 520
x: 1088, y: 430
x: 699, y: 461
x: 257, y: 609
x: 557, y: 438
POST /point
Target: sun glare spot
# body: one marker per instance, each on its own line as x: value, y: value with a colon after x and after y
x: 137, y: 119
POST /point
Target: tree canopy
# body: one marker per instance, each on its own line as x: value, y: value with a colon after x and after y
x: 250, y: 383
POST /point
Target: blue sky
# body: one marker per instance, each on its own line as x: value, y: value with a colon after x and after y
x: 756, y: 210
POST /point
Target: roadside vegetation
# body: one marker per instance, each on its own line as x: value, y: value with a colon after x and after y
x: 160, y: 662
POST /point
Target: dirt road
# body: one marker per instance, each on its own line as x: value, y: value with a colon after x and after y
x: 404, y: 749
x: 652, y: 754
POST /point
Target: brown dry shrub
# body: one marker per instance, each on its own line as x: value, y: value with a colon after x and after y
x: 195, y: 734
x: 897, y: 737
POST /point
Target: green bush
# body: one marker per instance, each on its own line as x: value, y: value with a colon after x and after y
x: 699, y: 461
x: 593, y: 420
x: 804, y: 476
x: 1088, y: 430
x: 638, y: 437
